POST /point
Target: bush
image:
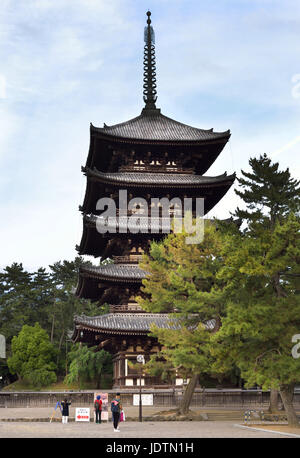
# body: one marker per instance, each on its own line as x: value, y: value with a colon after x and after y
x: 33, y: 356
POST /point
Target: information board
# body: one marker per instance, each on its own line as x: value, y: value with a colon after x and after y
x: 82, y: 414
x: 147, y: 399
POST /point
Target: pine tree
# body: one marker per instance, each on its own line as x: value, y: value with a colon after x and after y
x: 262, y: 310
x: 183, y: 282
x: 269, y: 195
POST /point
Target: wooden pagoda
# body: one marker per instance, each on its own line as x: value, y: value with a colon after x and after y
x: 150, y: 156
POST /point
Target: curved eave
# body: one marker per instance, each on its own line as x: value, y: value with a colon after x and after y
x: 112, y: 274
x: 107, y: 244
x: 98, y: 283
x: 110, y: 244
x: 122, y: 272
x: 92, y: 242
x: 156, y: 180
x: 117, y: 324
x: 102, y: 145
x: 208, y: 136
x: 97, y: 182
x: 106, y: 333
x: 122, y: 323
x: 87, y: 289
x: 223, y: 138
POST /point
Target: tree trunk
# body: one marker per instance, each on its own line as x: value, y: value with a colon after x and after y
x: 52, y: 328
x: 287, y: 394
x: 99, y: 381
x: 59, y: 346
x: 188, y: 395
x: 61, y: 340
x: 273, y: 407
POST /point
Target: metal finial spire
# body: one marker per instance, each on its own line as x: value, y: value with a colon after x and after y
x: 149, y: 92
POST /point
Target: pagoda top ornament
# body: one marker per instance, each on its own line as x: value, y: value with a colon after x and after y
x: 150, y: 92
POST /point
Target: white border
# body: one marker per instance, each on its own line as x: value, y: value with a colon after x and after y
x: 267, y: 430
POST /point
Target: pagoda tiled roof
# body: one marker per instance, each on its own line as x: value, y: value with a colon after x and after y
x: 115, y: 272
x: 136, y: 322
x: 157, y: 179
x: 156, y: 126
x: 101, y: 243
x: 130, y: 322
x: 128, y: 224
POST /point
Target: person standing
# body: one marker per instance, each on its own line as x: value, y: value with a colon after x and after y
x: 116, y: 408
x: 65, y: 410
x: 98, y: 408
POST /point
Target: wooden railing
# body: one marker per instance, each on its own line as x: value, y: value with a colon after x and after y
x: 155, y: 169
x: 130, y: 259
x: 125, y: 308
x: 143, y: 212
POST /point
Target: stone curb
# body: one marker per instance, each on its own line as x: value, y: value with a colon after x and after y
x: 268, y: 431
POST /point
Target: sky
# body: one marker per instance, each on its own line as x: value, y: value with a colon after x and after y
x: 227, y: 64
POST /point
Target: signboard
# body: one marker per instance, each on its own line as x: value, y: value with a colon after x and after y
x: 82, y: 414
x: 147, y: 399
x: 104, y: 399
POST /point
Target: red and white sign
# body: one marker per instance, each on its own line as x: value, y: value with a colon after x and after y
x: 82, y: 414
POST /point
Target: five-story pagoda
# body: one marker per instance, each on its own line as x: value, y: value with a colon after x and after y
x: 142, y: 160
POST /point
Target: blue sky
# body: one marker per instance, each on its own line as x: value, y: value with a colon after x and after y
x: 227, y: 64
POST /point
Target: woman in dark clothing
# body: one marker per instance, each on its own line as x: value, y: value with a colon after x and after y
x: 65, y: 410
x: 116, y: 409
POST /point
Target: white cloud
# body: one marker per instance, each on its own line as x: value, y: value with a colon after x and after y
x: 69, y: 63
x: 67, y: 46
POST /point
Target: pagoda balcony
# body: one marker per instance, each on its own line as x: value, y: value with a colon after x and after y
x: 125, y: 308
x: 155, y: 168
x: 128, y: 259
x: 143, y: 212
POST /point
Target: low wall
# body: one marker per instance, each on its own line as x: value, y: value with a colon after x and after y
x: 161, y: 398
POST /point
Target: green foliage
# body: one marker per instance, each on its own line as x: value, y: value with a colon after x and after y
x: 46, y: 297
x: 87, y: 364
x: 248, y: 282
x: 261, y: 273
x: 269, y: 194
x: 18, y: 291
x: 33, y: 356
x: 263, y: 307
x: 183, y: 283
x: 158, y: 366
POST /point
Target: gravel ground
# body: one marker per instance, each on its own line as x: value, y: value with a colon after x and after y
x: 203, y: 429
x: 46, y: 412
x: 131, y: 411
x: 33, y: 428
